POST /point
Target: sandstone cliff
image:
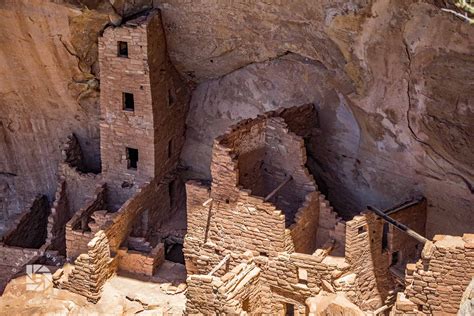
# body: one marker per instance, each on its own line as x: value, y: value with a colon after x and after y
x: 392, y: 80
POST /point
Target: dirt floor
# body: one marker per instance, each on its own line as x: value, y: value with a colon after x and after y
x: 163, y: 294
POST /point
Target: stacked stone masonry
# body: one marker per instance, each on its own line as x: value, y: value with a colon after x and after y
x: 435, y: 284
x: 144, y: 104
x: 231, y: 217
x: 90, y: 270
x: 156, y: 124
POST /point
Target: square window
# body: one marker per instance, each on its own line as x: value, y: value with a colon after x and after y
x: 128, y: 101
x: 122, y: 49
x: 132, y: 158
x: 361, y: 230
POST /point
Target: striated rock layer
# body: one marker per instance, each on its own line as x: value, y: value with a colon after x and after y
x: 392, y: 82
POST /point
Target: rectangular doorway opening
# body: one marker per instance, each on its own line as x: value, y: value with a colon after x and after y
x: 289, y: 309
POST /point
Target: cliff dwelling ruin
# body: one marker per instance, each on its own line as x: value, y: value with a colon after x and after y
x: 178, y: 202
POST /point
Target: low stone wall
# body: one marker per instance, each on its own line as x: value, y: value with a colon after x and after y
x: 30, y: 229
x: 435, y: 284
x: 152, y: 198
x: 78, y: 232
x: 136, y: 262
x: 303, y: 275
x: 235, y: 292
x: 90, y: 271
x: 57, y: 220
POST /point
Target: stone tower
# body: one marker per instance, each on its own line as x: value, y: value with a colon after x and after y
x: 142, y: 114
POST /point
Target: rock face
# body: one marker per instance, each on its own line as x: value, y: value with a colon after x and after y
x: 392, y: 88
x: 392, y: 82
x: 332, y: 304
x: 43, y: 95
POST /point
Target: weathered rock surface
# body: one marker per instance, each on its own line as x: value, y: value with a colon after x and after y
x: 332, y: 305
x: 392, y: 81
x: 43, y: 94
x: 395, y: 111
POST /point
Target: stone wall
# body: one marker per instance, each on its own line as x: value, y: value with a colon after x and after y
x: 435, y: 284
x: 139, y: 262
x: 231, y: 220
x: 305, y: 226
x: 303, y: 275
x: 233, y: 293
x: 80, y: 187
x: 367, y: 260
x: 408, y: 249
x: 30, y: 229
x: 156, y: 124
x: 237, y: 211
x: 58, y: 219
x: 90, y: 271
x: 78, y: 231
x: 331, y: 227
x: 198, y: 222
x: 152, y: 197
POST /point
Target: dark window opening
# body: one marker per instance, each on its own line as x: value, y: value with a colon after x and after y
x: 128, y: 102
x: 385, y: 237
x: 174, y: 252
x: 171, y: 97
x: 170, y: 148
x: 122, y: 49
x: 246, y: 305
x: 395, y: 258
x: 263, y: 254
x: 361, y: 230
x: 289, y: 309
x: 132, y: 158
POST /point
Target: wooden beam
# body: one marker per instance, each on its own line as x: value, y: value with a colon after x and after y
x: 398, y: 225
x: 278, y: 188
x: 219, y: 265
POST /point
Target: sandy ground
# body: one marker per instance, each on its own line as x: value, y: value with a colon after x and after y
x: 122, y: 295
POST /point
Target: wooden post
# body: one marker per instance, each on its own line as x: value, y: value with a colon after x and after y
x: 278, y: 188
x: 220, y: 264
